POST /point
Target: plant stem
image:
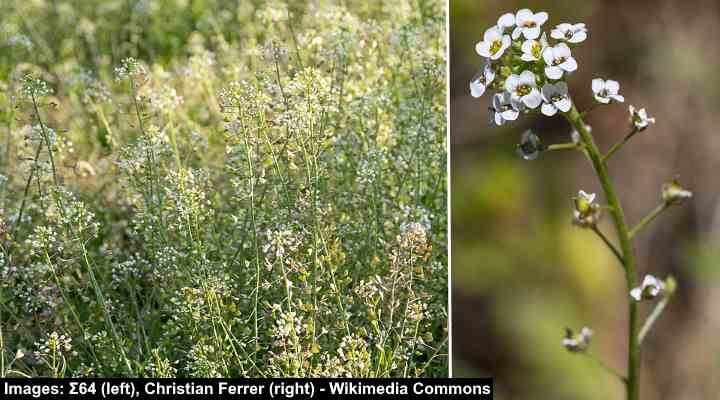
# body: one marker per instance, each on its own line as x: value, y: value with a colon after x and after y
x: 653, y: 214
x: 45, y: 137
x: 656, y: 312
x: 606, y: 367
x: 608, y: 244
x: 618, y: 216
x: 618, y: 145
x: 563, y: 146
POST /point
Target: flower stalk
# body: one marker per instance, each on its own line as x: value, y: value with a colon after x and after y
x: 626, y: 247
x: 658, y: 310
x: 648, y: 218
x: 619, y: 144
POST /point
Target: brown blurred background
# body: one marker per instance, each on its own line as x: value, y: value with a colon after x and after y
x: 521, y: 272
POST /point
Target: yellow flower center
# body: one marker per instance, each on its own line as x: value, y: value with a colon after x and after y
x: 536, y: 49
x: 559, y: 60
x: 495, y: 46
x: 522, y: 90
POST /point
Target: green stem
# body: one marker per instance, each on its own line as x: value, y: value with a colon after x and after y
x: 618, y: 145
x: 608, y: 244
x: 656, y: 312
x: 563, y: 146
x: 618, y: 216
x: 653, y: 214
x: 606, y: 367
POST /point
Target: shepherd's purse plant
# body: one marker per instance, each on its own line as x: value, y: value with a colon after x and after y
x: 528, y: 70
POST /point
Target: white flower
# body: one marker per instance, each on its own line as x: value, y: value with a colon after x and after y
x: 481, y: 81
x: 523, y: 88
x: 528, y: 23
x: 504, y: 108
x: 555, y: 97
x: 673, y: 193
x: 579, y: 342
x: 506, y: 21
x: 586, y: 213
x: 570, y: 33
x: 494, y: 44
x: 589, y: 197
x: 558, y: 60
x: 532, y: 48
x: 639, y: 118
x: 606, y: 90
x: 651, y: 287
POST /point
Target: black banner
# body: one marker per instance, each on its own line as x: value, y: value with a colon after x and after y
x: 119, y: 388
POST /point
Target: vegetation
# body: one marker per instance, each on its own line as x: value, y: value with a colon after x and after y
x: 206, y: 189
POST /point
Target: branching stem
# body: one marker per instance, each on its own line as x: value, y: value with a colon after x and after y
x: 609, y: 244
x: 623, y: 234
x: 563, y: 146
x: 619, y: 144
x: 606, y: 367
x: 648, y: 218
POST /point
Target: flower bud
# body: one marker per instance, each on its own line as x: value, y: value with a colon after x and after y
x: 650, y: 288
x: 577, y: 343
x: 586, y: 213
x: 673, y: 193
x: 530, y: 146
x: 639, y: 119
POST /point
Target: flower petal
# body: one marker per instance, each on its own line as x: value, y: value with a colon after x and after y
x: 492, y: 34
x: 548, y: 55
x: 578, y: 37
x: 564, y: 105
x: 532, y: 99
x: 553, y: 72
x: 548, y: 109
x: 540, y: 18
x: 604, y: 100
x: 506, y: 20
x: 598, y: 85
x: 516, y: 32
x: 512, y: 82
x: 532, y: 33
x: 499, y: 121
x: 476, y: 89
x: 569, y: 65
x: 562, y: 51
x: 483, y: 49
x: 612, y: 86
x: 523, y: 15
x: 527, y: 78
x: 510, y: 115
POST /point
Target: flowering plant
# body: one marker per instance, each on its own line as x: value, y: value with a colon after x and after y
x: 528, y: 73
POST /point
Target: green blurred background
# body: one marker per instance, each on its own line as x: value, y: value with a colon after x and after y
x: 522, y: 272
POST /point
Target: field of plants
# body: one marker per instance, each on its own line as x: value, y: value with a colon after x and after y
x: 211, y: 188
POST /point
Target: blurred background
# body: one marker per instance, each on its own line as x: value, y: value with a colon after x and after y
x: 522, y: 272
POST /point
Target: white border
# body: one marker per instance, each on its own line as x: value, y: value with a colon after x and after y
x: 449, y: 186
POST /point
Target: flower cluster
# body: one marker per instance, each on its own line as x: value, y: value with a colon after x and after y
x: 525, y: 67
x: 528, y: 71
